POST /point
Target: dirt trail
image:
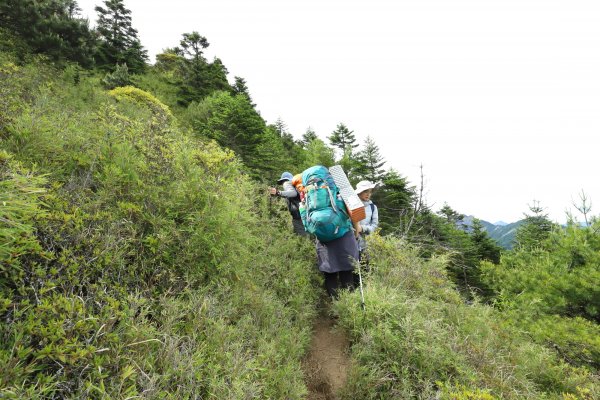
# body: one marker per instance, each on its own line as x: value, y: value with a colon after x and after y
x: 327, y: 364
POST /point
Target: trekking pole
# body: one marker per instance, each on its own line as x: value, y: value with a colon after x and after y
x: 362, y: 295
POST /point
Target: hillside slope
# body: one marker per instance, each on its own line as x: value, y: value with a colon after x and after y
x: 131, y: 265
x: 503, y: 234
x: 139, y: 261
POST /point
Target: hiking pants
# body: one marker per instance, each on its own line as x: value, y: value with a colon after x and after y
x: 299, y: 227
x: 338, y: 280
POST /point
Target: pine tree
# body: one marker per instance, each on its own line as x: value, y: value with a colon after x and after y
x: 240, y: 87
x: 280, y: 127
x: 194, y: 69
x: 235, y: 124
x: 119, y: 43
x: 536, y: 228
x: 193, y: 44
x: 343, y: 138
x: 485, y: 246
x: 394, y: 199
x: 199, y: 78
x: 308, y: 137
x: 217, y: 76
x: 50, y: 27
x: 452, y: 216
x: 370, y: 162
x: 120, y: 77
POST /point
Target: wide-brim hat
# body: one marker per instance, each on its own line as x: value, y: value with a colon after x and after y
x: 364, y: 185
x: 286, y: 176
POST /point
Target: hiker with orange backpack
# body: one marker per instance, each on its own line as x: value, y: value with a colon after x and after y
x: 292, y: 197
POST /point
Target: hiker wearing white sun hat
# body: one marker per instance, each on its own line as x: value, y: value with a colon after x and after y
x: 364, y: 189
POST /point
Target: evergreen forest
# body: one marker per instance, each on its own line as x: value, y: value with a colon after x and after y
x: 141, y: 256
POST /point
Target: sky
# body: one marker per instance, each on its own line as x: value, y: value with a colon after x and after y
x: 497, y: 100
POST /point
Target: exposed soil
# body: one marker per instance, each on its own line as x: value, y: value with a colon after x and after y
x: 327, y: 363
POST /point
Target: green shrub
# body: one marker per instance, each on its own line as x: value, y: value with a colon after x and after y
x: 418, y: 339
x: 552, y: 292
x: 118, y: 78
x: 139, y: 260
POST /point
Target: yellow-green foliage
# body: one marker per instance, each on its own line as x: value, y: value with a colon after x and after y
x: 8, y: 97
x: 582, y: 394
x: 137, y: 260
x: 21, y: 194
x: 8, y: 68
x: 417, y: 332
x: 138, y: 96
x: 461, y: 392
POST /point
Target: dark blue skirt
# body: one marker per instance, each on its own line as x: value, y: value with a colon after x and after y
x: 338, y: 255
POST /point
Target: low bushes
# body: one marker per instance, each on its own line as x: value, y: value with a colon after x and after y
x: 138, y: 260
x: 418, y: 339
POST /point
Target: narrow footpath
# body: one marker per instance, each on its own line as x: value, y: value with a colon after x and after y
x: 327, y: 364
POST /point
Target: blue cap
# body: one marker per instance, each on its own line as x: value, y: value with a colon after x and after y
x: 286, y: 176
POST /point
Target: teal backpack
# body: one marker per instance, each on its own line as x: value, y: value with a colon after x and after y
x: 324, y: 213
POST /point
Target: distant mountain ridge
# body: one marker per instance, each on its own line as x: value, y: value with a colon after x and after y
x: 503, y: 233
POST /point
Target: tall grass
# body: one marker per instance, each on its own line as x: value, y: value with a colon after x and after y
x: 138, y: 261
x: 419, y: 339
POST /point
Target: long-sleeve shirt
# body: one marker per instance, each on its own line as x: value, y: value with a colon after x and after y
x: 290, y: 194
x: 289, y: 191
x: 369, y: 224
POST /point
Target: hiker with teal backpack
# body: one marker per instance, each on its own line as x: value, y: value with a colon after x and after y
x: 369, y: 224
x: 324, y: 215
x: 292, y: 197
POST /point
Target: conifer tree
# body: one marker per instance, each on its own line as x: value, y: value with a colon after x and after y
x: 536, y: 228
x: 235, y: 124
x: 370, y: 162
x: 119, y: 43
x: 217, y: 76
x: 343, y: 138
x: 199, y: 78
x: 452, y: 216
x: 51, y: 27
x: 308, y: 137
x: 394, y: 199
x: 280, y: 127
x: 240, y: 87
x: 294, y: 151
x: 193, y: 45
x: 485, y: 246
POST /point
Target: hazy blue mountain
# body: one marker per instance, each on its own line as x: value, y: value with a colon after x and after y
x: 503, y: 233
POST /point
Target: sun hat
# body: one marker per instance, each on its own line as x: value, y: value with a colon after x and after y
x: 363, y: 185
x: 286, y: 176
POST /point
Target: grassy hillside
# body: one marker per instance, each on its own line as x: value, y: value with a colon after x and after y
x: 418, y: 339
x: 136, y: 259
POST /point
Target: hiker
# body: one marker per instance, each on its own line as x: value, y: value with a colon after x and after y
x: 325, y: 216
x: 291, y: 195
x: 336, y: 261
x: 364, y: 189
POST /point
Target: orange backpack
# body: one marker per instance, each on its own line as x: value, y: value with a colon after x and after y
x: 297, y: 182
